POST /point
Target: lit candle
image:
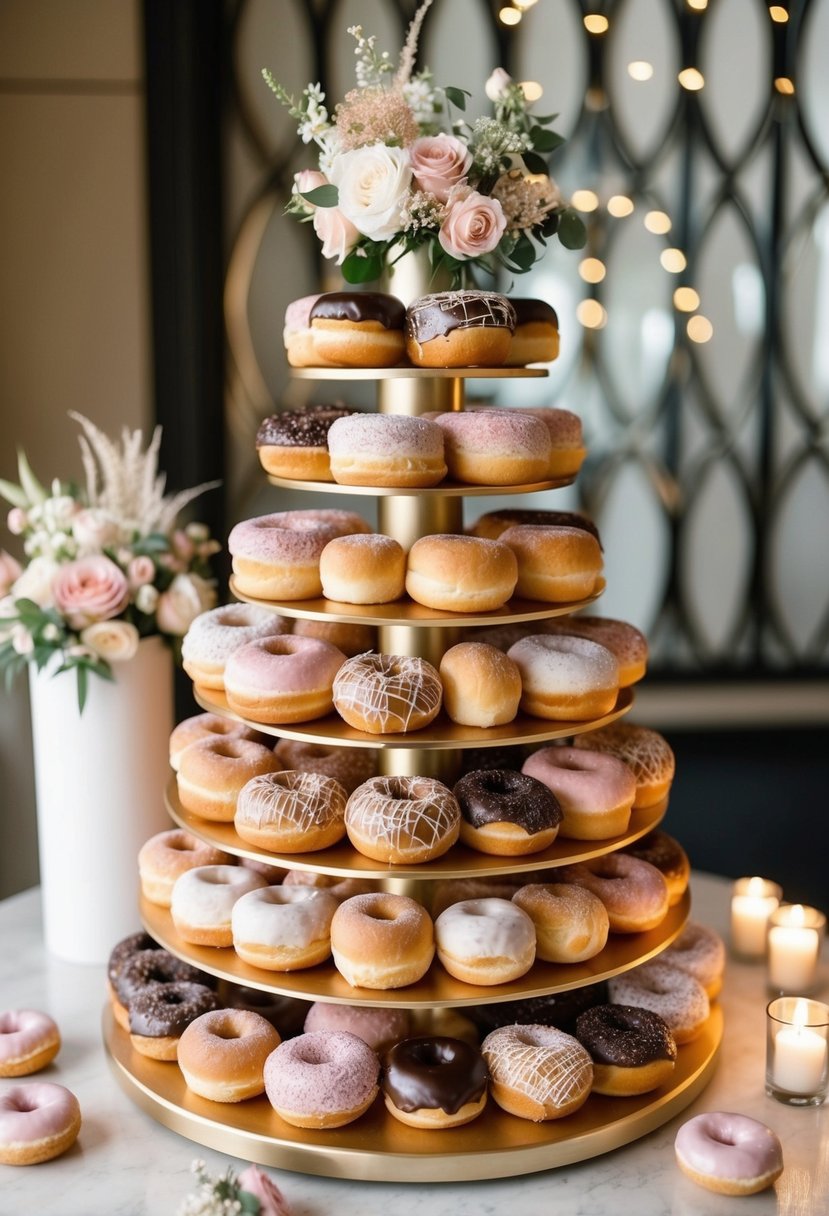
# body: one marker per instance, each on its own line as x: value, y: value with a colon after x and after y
x: 793, y: 947
x: 799, y: 1055
x: 752, y: 903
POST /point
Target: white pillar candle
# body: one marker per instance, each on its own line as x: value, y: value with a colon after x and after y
x: 800, y: 1057
x: 793, y: 946
x: 752, y: 903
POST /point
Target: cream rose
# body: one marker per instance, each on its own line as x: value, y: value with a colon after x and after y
x: 90, y: 589
x: 186, y: 598
x: 35, y: 583
x: 497, y: 84
x: 95, y: 529
x: 474, y: 225
x: 372, y: 183
x: 115, y: 641
x: 338, y: 234
x: 10, y: 572
x: 439, y: 163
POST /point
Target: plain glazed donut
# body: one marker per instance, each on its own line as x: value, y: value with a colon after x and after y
x: 571, y: 923
x: 211, y: 774
x: 277, y: 557
x: 29, y: 1040
x: 322, y: 1079
x: 676, y: 996
x: 350, y: 766
x: 283, y: 679
x: 634, y: 892
x: 379, y: 1027
x: 669, y: 857
x: 727, y: 1153
x: 206, y: 726
x: 214, y: 635
x: 644, y: 751
x: 165, y: 856
x: 387, y: 693
x: 340, y: 888
x: 506, y: 813
x: 38, y: 1121
x: 459, y: 329
x: 632, y: 1049
x: 699, y: 952
x: 348, y: 637
x: 595, y: 791
x: 367, y: 568
x: 291, y: 812
x: 537, y: 1072
x: 627, y: 643
x: 481, y: 686
x: 485, y: 941
x: 434, y: 1082
x: 159, y: 1014
x: 357, y: 328
x: 203, y: 899
x: 294, y: 443
x: 555, y: 565
x: 382, y: 940
x: 460, y: 573
x: 222, y: 1054
x: 401, y: 820
x: 568, y: 679
x: 495, y: 447
x: 283, y: 928
x: 393, y: 450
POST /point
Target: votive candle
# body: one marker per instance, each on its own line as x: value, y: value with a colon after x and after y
x: 794, y: 937
x: 797, y: 1050
x: 752, y: 902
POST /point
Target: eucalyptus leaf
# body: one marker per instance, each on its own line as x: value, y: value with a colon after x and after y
x: 322, y: 196
x: 534, y: 162
x: 571, y: 230
x: 523, y: 255
x: 358, y: 269
x: 457, y: 96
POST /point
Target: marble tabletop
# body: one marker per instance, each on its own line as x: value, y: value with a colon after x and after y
x: 125, y: 1164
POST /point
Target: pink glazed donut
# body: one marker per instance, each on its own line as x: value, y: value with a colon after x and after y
x: 278, y: 556
x: 38, y: 1121
x: 322, y: 1078
x: 633, y: 891
x: 595, y: 790
x: 282, y: 679
x: 727, y: 1153
x: 29, y: 1040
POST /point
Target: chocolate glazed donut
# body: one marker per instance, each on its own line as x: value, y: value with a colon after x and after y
x: 360, y: 306
x: 165, y: 1009
x: 434, y: 1073
x: 505, y: 796
x: 633, y: 1049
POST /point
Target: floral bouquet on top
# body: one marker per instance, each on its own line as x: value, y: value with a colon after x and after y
x: 107, y: 566
x: 397, y: 172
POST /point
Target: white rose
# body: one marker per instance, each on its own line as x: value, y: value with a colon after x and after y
x: 115, y: 641
x: 58, y: 512
x: 186, y: 598
x: 372, y: 183
x: 95, y: 529
x: 35, y: 583
x: 146, y: 598
x: 497, y: 85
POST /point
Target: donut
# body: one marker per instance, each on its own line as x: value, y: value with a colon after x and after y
x: 349, y: 766
x: 340, y: 888
x: 273, y: 875
x: 203, y: 899
x: 566, y: 439
x: 481, y: 686
x: 322, y: 1079
x: 595, y: 791
x: 632, y: 1049
x: 277, y: 556
x: 459, y: 329
x: 495, y: 447
x: 460, y: 573
x: 700, y: 952
x: 559, y: 1009
x: 455, y: 890
x: 358, y: 328
x: 214, y: 635
x: 29, y: 1040
x: 283, y: 928
x: 165, y: 856
x: 485, y: 941
x: 493, y: 524
x: 449, y: 1023
x: 285, y: 1013
x: 506, y: 813
x: 729, y: 1153
x: 294, y: 443
x: 536, y: 338
x: 504, y: 756
x: 568, y: 679
x: 348, y: 637
x: 147, y: 969
x: 296, y: 333
x: 120, y: 954
x: 644, y: 751
x: 537, y: 1072
x: 160, y: 1012
x: 627, y: 643
x: 382, y: 940
x: 634, y: 892
x: 387, y: 693
x: 207, y: 726
x: 291, y: 812
x: 676, y: 996
x: 555, y: 565
x: 363, y: 569
x: 222, y: 1054
x: 402, y: 820
x: 571, y: 923
x: 283, y: 679
x: 380, y: 1028
x: 211, y: 774
x: 669, y: 857
x: 434, y: 1082
x: 395, y: 450
x: 38, y: 1121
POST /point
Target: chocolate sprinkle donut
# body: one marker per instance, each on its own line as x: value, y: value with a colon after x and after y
x: 503, y: 796
x: 560, y: 1009
x: 148, y: 968
x: 432, y: 1072
x: 125, y: 950
x: 624, y: 1036
x: 163, y: 1010
x: 302, y: 428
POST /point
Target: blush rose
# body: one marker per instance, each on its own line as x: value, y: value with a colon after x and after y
x: 439, y: 163
x: 90, y: 589
x: 474, y: 225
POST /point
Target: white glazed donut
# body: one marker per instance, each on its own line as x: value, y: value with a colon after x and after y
x: 283, y: 928
x: 202, y: 902
x: 214, y: 635
x: 565, y: 678
x: 485, y: 941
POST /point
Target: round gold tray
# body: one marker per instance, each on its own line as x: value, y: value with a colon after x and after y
x: 446, y: 488
x: 377, y: 1147
x: 408, y: 371
x: 343, y: 860
x: 437, y: 988
x: 439, y: 735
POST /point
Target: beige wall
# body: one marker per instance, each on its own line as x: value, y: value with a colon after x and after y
x: 74, y: 281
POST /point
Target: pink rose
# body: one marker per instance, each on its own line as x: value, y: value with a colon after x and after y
x: 474, y: 225
x: 271, y: 1200
x: 307, y: 180
x: 338, y: 235
x: 439, y: 162
x: 140, y: 571
x: 17, y: 521
x: 10, y: 571
x: 90, y: 589
x: 186, y: 598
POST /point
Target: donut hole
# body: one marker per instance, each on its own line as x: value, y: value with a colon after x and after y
x: 234, y: 620
x: 226, y: 1032
x: 214, y: 877
x: 382, y: 914
x: 8, y: 1023
x: 22, y: 1104
x: 228, y: 748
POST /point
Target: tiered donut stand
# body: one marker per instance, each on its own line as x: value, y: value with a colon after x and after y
x: 377, y: 1146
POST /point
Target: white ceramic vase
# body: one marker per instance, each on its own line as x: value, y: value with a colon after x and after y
x: 99, y: 781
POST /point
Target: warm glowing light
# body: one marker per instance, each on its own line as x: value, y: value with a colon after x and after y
x: 524, y: 4
x: 673, y: 260
x: 699, y: 6
x: 592, y: 270
x: 700, y: 329
x: 509, y: 16
x: 778, y: 13
x: 532, y: 90
x: 596, y: 23
x: 784, y: 85
x: 658, y: 222
x: 591, y: 314
x: 691, y: 79
x: 620, y: 205
x: 584, y: 200
x: 640, y: 69
x: 686, y: 299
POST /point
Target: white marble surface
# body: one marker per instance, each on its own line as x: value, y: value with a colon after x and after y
x: 124, y: 1164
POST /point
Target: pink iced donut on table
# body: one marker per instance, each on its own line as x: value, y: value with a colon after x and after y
x: 699, y: 952
x: 278, y: 556
x: 38, y: 1121
x: 283, y: 679
x: 29, y: 1040
x: 595, y: 790
x: 727, y: 1153
x: 678, y: 998
x: 213, y: 636
x: 322, y: 1079
x: 633, y: 891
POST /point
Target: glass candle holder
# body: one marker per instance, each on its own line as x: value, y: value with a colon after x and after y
x: 793, y: 947
x: 752, y: 902
x: 797, y: 1050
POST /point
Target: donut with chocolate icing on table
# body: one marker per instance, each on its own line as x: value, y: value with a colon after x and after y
x: 433, y: 1081
x: 459, y: 329
x: 506, y: 813
x: 392, y: 450
x: 276, y: 557
x: 632, y: 1049
x: 358, y: 329
x: 133, y: 973
x: 536, y: 336
x: 495, y: 447
x: 294, y: 443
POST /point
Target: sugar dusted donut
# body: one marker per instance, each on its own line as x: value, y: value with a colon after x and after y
x: 729, y: 1153
x: 357, y: 328
x: 379, y: 1027
x: 347, y: 636
x: 29, y: 1040
x: 700, y: 952
x: 460, y: 573
x: 506, y: 813
x: 206, y: 726
x: 38, y: 1121
x: 571, y: 923
x: 481, y: 686
x: 296, y: 333
x: 645, y: 751
x: 632, y: 1049
x: 203, y: 899
x: 165, y: 856
x: 493, y: 524
x: 283, y: 928
x: 676, y: 996
x: 555, y: 565
x: 387, y: 693
x: 535, y: 339
x: 401, y: 820
x: 397, y: 450
x: 669, y: 857
x: 433, y: 1081
x: 382, y: 940
x: 214, y: 635
x: 568, y: 679
x: 634, y: 892
x: 291, y: 812
x: 322, y: 1079
x: 278, y: 556
x: 211, y: 774
x: 459, y: 329
x: 626, y: 642
x: 363, y: 569
x: 537, y: 1072
x: 350, y: 766
x: 485, y: 941
x: 566, y: 439
x: 340, y: 888
x: 294, y: 443
x: 495, y: 447
x: 222, y: 1054
x: 595, y: 791
x: 283, y: 679
x: 159, y: 1014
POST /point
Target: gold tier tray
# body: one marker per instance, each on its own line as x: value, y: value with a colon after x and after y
x: 344, y: 861
x: 437, y: 988
x: 408, y: 371
x: 378, y: 1148
x: 440, y: 735
x: 446, y: 488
